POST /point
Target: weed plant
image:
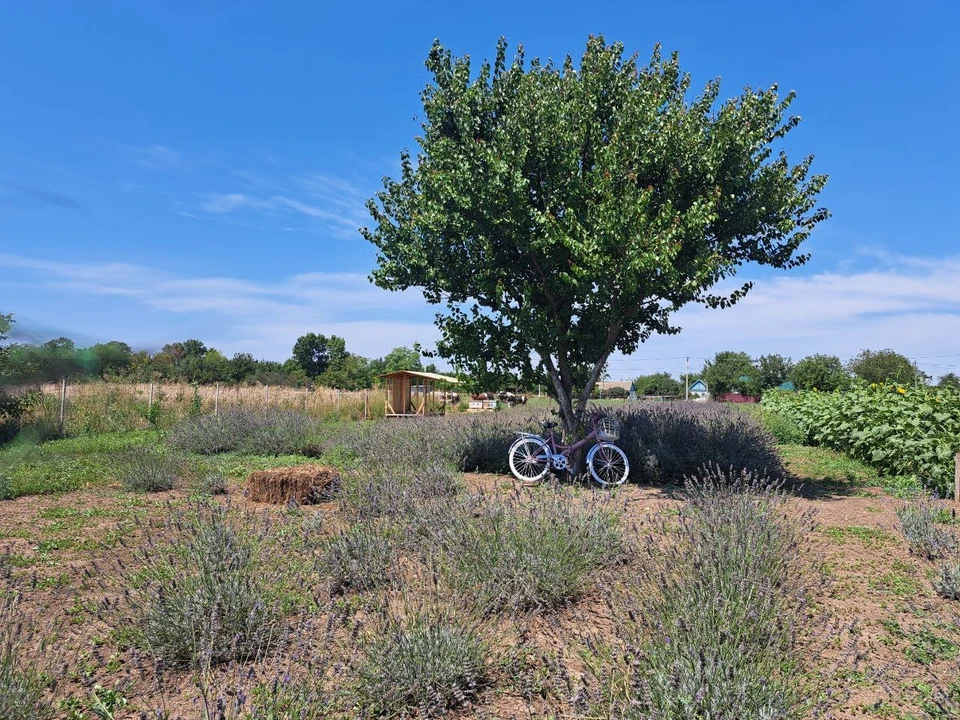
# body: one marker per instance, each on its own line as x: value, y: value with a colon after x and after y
x: 431, y: 663
x: 360, y: 558
x: 921, y: 524
x: 200, y: 597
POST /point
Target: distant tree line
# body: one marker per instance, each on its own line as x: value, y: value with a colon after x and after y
x: 731, y: 371
x: 316, y: 360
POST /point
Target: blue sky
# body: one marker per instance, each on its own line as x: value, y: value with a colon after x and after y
x: 174, y: 170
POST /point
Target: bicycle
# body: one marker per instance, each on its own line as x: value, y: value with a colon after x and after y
x: 532, y: 456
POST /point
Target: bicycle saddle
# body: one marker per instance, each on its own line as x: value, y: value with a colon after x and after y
x: 548, y: 425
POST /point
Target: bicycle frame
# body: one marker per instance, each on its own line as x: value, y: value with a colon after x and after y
x: 557, y: 449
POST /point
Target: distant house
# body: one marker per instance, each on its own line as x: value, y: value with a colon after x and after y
x: 698, y: 390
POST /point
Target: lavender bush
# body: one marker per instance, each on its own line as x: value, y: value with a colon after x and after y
x: 199, y: 596
x: 260, y: 431
x: 714, y: 625
x: 21, y: 685
x: 523, y: 555
x: 431, y: 662
x: 666, y: 442
x: 359, y: 558
x: 920, y: 522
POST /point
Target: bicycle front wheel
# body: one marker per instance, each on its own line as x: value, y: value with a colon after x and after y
x: 608, y: 464
x: 529, y: 459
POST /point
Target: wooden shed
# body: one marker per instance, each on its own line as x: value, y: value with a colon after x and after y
x: 412, y: 393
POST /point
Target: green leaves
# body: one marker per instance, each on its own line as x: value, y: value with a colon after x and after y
x: 562, y: 213
x: 898, y: 430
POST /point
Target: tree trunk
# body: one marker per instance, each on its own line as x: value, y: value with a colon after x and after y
x: 570, y: 421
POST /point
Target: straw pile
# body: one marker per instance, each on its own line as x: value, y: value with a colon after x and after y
x: 304, y: 484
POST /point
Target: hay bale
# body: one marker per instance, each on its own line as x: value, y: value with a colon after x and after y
x: 305, y: 484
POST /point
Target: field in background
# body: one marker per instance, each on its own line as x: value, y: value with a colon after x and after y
x: 94, y: 408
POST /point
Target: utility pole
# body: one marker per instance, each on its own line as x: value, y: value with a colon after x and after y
x: 686, y: 381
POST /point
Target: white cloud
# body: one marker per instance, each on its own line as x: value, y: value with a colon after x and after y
x: 909, y: 304
x: 253, y: 316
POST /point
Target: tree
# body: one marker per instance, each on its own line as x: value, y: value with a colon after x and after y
x: 820, y: 372
x: 730, y: 371
x: 311, y: 354
x: 113, y: 357
x: 214, y: 367
x: 773, y: 371
x: 949, y: 380
x: 660, y: 383
x: 242, y: 366
x: 401, y: 358
x: 885, y: 366
x: 564, y: 213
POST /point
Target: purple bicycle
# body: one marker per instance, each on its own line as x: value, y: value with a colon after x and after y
x: 532, y: 456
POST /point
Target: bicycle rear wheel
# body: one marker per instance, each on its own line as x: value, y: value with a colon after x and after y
x: 608, y: 464
x: 529, y: 459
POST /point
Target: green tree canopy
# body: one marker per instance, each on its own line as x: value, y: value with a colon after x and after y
x: 310, y: 352
x: 113, y: 357
x: 730, y: 371
x: 949, y: 380
x: 820, y: 372
x: 400, y: 358
x: 660, y: 383
x: 885, y: 366
x: 773, y: 371
x: 564, y: 212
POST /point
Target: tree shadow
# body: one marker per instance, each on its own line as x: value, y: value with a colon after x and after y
x: 829, y: 487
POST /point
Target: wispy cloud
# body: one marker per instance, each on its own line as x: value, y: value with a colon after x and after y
x: 157, y: 157
x: 232, y: 202
x: 257, y: 316
x: 19, y: 195
x: 910, y: 304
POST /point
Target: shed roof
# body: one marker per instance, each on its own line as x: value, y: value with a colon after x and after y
x: 418, y: 373
x: 788, y: 385
x: 698, y: 386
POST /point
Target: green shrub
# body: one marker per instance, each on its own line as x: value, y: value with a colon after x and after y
x: 200, y: 597
x: 432, y: 662
x: 900, y: 431
x: 920, y: 522
x: 358, y: 559
x: 147, y: 469
x: 524, y: 555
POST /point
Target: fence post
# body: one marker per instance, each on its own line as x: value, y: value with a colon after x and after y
x: 151, y: 395
x: 266, y: 394
x: 339, y: 399
x: 63, y: 401
x: 956, y: 478
x: 216, y: 400
x: 366, y: 404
